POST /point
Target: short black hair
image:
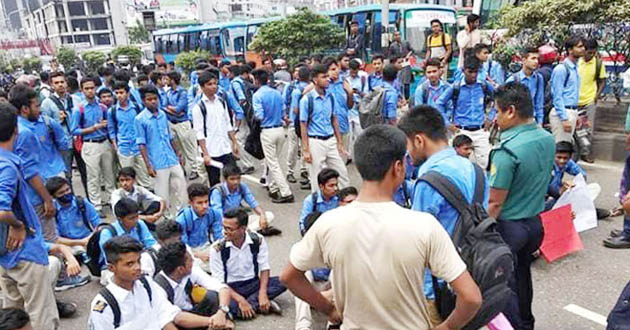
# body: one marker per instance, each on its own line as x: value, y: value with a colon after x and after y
x: 120, y: 245
x: 529, y: 50
x: 481, y: 46
x: 262, y: 75
x: 433, y: 62
x: 127, y: 172
x: 328, y: 61
x: 155, y: 76
x: 175, y: 76
x: 142, y: 77
x: 166, y: 229
x: 472, y: 63
x: 55, y: 183
x: 56, y: 74
x: 235, y: 69
x: 591, y: 44
x: 394, y: 58
x: 376, y: 150
x: 572, y: 41
x: 564, y: 146
x: 44, y: 76
x: 318, y: 69
x: 125, y: 207
x: 390, y: 72
x: 239, y: 214
x: 104, y: 91
x: 230, y: 170
x: 342, y: 55
x: 326, y: 174
x: 73, y: 83
x: 13, y: 318
x: 148, y: 89
x: 21, y: 95
x: 120, y: 85
x: 146, y: 69
x: 471, y: 18
x: 435, y: 20
x: 461, y: 140
x: 423, y: 119
x: 161, y: 65
x: 304, y: 73
x: 122, y: 74
x: 516, y: 94
x: 88, y: 79
x: 347, y: 191
x: 206, y: 76
x: 378, y: 57
x: 171, y: 256
x: 317, y: 57
x: 245, y: 68
x: 8, y: 121
x: 197, y: 190
x: 354, y: 65
x: 201, y: 66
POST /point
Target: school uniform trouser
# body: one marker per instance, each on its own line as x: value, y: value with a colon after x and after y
x: 324, y: 153
x: 170, y: 185
x: 481, y: 145
x: 590, y: 113
x: 68, y: 156
x: 249, y: 290
x: 99, y: 161
x: 28, y: 286
x: 138, y: 164
x: 246, y: 159
x: 294, y: 152
x: 355, y: 131
x: 214, y: 173
x: 556, y: 125
x: 186, y: 142
x: 523, y: 238
x: 303, y: 317
x: 272, y: 140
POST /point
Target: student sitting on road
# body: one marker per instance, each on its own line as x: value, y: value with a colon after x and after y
x: 241, y: 260
x: 463, y: 145
x: 323, y: 200
x: 231, y: 194
x: 128, y: 224
x: 347, y: 195
x: 133, y: 301
x: 562, y: 164
x: 151, y: 206
x: 188, y: 287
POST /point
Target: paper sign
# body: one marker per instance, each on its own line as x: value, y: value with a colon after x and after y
x: 581, y: 200
x: 560, y: 237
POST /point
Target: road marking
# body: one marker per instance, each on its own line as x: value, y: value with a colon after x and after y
x: 585, y: 313
x: 602, y: 166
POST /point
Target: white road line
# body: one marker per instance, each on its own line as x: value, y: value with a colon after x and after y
x: 604, y: 166
x: 585, y: 313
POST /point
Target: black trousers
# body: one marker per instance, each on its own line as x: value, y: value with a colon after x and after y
x: 153, y: 208
x: 214, y: 174
x: 523, y: 237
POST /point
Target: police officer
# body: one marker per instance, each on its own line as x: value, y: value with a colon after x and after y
x: 519, y: 174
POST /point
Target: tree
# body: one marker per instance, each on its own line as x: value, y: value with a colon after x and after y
x: 187, y: 60
x: 32, y: 64
x: 132, y: 52
x: 302, y: 33
x: 66, y: 57
x: 139, y: 34
x: 93, y: 60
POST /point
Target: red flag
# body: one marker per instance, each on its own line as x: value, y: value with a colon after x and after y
x: 560, y: 237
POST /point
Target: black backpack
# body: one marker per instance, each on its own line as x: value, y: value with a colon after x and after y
x: 487, y: 257
x: 309, y: 111
x: 310, y: 219
x: 161, y: 280
x: 488, y: 96
x: 204, y: 112
x: 225, y: 253
x: 113, y: 303
x: 94, y: 249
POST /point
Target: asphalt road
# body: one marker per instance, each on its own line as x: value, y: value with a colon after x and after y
x: 591, y: 279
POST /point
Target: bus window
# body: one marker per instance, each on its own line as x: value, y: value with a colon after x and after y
x: 377, y: 29
x: 203, y: 41
x: 181, y: 42
x: 186, y: 43
x: 215, y: 45
x: 193, y: 40
x: 157, y: 44
x: 418, y: 26
x: 251, y: 32
x: 339, y: 20
x: 233, y: 39
x: 172, y: 44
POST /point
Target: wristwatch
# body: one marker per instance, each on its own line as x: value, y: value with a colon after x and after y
x: 226, y: 310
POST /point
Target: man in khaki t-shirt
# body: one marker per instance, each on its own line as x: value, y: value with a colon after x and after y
x: 378, y: 251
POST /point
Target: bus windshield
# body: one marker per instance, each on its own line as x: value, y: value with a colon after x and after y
x: 234, y: 41
x: 418, y: 26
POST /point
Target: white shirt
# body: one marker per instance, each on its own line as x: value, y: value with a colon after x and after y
x: 240, y: 265
x: 140, y: 195
x: 218, y: 126
x: 147, y: 265
x: 197, y: 277
x: 137, y: 311
x: 465, y: 40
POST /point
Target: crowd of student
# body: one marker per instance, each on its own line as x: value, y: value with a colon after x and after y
x: 168, y: 261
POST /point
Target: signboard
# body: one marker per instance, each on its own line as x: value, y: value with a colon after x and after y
x: 167, y: 12
x: 423, y: 17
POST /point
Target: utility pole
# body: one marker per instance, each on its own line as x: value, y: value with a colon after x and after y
x: 385, y: 24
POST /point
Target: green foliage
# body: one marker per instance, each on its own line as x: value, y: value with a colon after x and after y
x: 186, y: 60
x: 139, y: 34
x: 93, y: 60
x: 302, y: 33
x: 32, y: 64
x: 134, y: 53
x: 66, y: 57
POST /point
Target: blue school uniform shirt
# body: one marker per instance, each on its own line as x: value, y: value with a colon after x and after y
x: 70, y: 222
x: 374, y: 81
x: 565, y: 95
x: 296, y: 95
x: 536, y: 85
x: 267, y: 104
x: 470, y: 109
x: 238, y: 88
x: 359, y: 83
x: 153, y: 132
x: 139, y: 232
x: 195, y: 228
x: 341, y: 104
x: 404, y: 194
x: 319, y: 118
x: 433, y: 93
x: 232, y: 198
x: 125, y: 135
x: 93, y: 114
x: 322, y: 205
x: 28, y: 148
x: 53, y: 140
x: 555, y: 184
x: 178, y: 98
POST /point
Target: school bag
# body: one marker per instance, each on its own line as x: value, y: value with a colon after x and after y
x: 225, y: 253
x: 78, y: 140
x: 93, y: 249
x: 488, y: 96
x: 113, y: 303
x: 487, y: 257
x: 371, y: 108
x: 115, y: 119
x: 309, y: 112
x: 310, y: 219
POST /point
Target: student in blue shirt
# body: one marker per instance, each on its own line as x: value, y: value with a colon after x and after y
x: 433, y: 87
x: 469, y: 98
x: 157, y: 80
x: 392, y: 94
x: 323, y: 200
x: 375, y: 79
x: 154, y: 139
x: 341, y: 89
x: 491, y: 70
x: 127, y: 223
x: 565, y: 91
x: 268, y: 109
x: 302, y: 75
x: 241, y: 90
x: 427, y: 144
x: 25, y: 243
x: 225, y: 74
x: 89, y: 120
x: 563, y: 164
x: 463, y: 145
x: 106, y: 97
x: 533, y: 80
x: 28, y: 146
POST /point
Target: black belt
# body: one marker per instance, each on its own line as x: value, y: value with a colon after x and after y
x: 321, y: 137
x: 469, y: 128
x: 101, y: 140
x: 274, y: 126
x: 571, y: 107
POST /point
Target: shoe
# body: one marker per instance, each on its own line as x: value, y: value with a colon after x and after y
x: 274, y: 194
x: 275, y: 307
x: 602, y: 213
x: 349, y: 161
x: 193, y: 176
x: 304, y: 175
x: 72, y: 282
x: 305, y: 185
x: 615, y: 233
x: 270, y: 231
x: 248, y: 170
x: 102, y: 214
x: 291, y: 178
x: 66, y: 309
x: 263, y: 181
x: 283, y: 200
x: 588, y: 159
x: 615, y: 212
x: 619, y: 242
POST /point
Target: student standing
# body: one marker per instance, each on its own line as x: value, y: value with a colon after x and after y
x: 469, y: 37
x: 341, y: 90
x: 592, y: 82
x: 294, y: 155
x: 439, y: 46
x: 534, y: 82
x: 432, y: 88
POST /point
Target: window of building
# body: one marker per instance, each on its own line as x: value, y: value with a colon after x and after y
x: 63, y: 27
x: 101, y: 39
x: 79, y: 25
x: 82, y: 38
x: 99, y: 24
x: 59, y: 11
x: 67, y: 40
x: 96, y: 7
x: 76, y: 8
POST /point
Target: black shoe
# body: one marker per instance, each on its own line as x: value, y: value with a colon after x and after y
x: 248, y: 170
x: 274, y: 194
x: 602, y: 213
x: 304, y: 175
x: 283, y: 200
x: 270, y: 231
x: 263, y: 181
x: 193, y: 176
x: 291, y: 178
x: 66, y: 309
x: 349, y: 161
x: 588, y: 159
x: 615, y: 232
x: 305, y: 185
x: 619, y: 242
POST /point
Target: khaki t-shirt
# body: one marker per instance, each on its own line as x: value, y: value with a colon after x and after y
x: 378, y: 253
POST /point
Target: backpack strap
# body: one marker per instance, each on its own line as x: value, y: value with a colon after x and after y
x: 311, y: 102
x: 153, y: 254
x: 115, y: 120
x: 81, y: 206
x: 480, y: 185
x: 598, y: 68
x: 51, y: 132
x: 255, y: 248
x: 314, y: 203
x: 425, y: 93
x: 455, y: 95
x: 81, y: 116
x: 147, y: 287
x: 188, y: 288
x: 447, y: 189
x: 204, y: 113
x: 566, y: 78
x: 113, y: 304
x: 161, y: 280
x: 225, y: 255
